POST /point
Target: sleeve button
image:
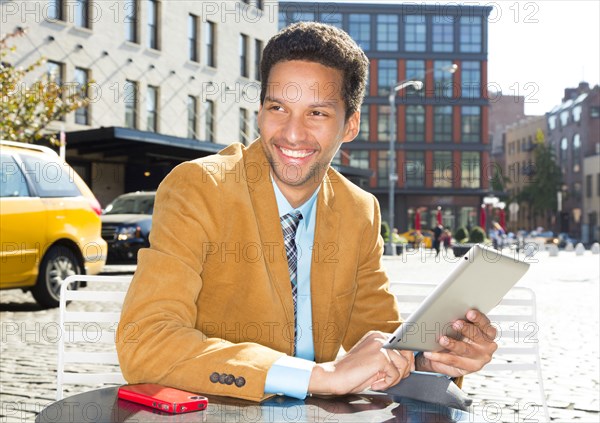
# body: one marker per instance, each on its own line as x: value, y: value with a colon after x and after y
x: 240, y: 381
x: 214, y: 377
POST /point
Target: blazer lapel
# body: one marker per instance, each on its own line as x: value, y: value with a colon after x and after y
x: 325, y: 259
x: 264, y: 204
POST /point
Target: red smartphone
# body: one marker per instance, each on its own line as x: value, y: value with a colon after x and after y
x: 166, y: 399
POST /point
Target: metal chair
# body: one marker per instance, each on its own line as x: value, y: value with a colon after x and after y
x: 86, y: 348
x: 515, y: 319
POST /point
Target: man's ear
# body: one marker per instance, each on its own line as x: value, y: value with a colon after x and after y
x: 351, y: 127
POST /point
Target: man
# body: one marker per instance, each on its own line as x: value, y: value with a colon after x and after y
x: 264, y: 261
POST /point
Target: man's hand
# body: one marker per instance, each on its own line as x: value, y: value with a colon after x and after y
x: 366, y: 365
x: 468, y: 355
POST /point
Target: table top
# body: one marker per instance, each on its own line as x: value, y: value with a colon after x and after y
x: 102, y: 405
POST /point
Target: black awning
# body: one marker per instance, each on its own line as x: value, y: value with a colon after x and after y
x: 112, y: 142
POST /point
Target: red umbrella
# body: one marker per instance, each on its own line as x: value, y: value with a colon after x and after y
x: 482, y: 217
x: 417, y: 221
x: 503, y: 219
x: 439, y: 216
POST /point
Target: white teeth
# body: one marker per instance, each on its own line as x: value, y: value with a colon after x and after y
x: 297, y: 154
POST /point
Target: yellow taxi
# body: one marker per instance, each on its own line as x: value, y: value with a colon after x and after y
x: 49, y: 222
x: 419, y: 238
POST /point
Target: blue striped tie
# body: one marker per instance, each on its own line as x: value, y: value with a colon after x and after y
x: 289, y: 225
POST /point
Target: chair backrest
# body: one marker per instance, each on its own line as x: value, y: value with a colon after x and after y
x: 515, y: 320
x: 86, y: 347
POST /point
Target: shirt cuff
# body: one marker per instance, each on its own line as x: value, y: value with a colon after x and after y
x: 289, y: 376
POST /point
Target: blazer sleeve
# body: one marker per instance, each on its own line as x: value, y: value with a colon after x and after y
x: 158, y: 340
x: 375, y: 308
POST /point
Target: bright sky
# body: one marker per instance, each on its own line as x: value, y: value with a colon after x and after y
x: 537, y: 48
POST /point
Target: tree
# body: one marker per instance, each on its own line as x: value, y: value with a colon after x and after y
x: 26, y: 111
x: 540, y: 194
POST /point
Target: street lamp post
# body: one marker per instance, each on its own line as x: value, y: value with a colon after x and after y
x: 393, y: 176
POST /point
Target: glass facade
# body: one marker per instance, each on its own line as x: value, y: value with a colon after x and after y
x: 415, y: 33
x: 387, y: 32
x: 470, y: 34
x: 415, y: 123
x: 383, y: 123
x: 443, y: 34
x: 443, y: 172
x: 442, y: 123
x: 470, y: 170
x: 81, y: 79
x: 414, y: 169
x: 359, y: 28
x: 387, y: 74
x: 471, y: 124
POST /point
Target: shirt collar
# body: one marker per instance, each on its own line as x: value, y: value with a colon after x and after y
x: 284, y: 206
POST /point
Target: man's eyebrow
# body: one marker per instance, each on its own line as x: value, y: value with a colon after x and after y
x: 329, y: 103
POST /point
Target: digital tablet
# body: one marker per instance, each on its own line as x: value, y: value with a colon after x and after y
x: 479, y: 281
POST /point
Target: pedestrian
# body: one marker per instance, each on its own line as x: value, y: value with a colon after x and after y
x: 437, y: 238
x: 264, y: 261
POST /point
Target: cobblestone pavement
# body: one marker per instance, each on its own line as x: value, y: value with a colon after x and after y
x: 568, y: 316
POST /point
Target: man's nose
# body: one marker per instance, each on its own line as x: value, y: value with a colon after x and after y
x: 295, y: 129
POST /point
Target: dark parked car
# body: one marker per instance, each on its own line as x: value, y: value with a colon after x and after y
x: 126, y: 224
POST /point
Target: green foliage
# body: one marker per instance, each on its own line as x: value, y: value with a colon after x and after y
x: 461, y: 234
x: 477, y: 235
x: 26, y: 111
x: 540, y: 194
x: 385, y: 231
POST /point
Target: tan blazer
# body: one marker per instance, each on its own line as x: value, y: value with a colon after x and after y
x: 210, y: 306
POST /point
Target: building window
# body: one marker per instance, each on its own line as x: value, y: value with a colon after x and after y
x: 588, y: 186
x: 470, y: 34
x: 387, y: 32
x: 209, y: 120
x: 442, y: 123
x: 282, y: 22
x: 54, y: 73
x: 415, y: 33
x: 192, y: 112
x: 81, y: 13
x: 552, y: 122
x: 471, y: 79
x: 359, y: 158
x: 81, y: 79
x: 258, y: 47
x: 243, y: 126
x: 414, y: 169
x: 152, y: 109
x: 259, y: 4
x: 359, y: 28
x: 56, y: 10
x: 209, y: 44
x: 576, y: 154
x: 442, y: 169
x: 131, y: 18
x: 363, y: 133
x: 130, y: 93
x: 383, y: 176
x: 415, y: 123
x: 577, y: 113
x: 383, y: 123
x: 415, y: 70
x: 193, y: 37
x: 594, y: 111
x: 598, y: 184
x: 387, y: 74
x: 470, y: 169
x: 153, y: 24
x: 564, y: 118
x: 243, y: 49
x: 442, y: 78
x: 256, y: 128
x: 471, y: 124
x: 443, y: 34
x: 334, y: 19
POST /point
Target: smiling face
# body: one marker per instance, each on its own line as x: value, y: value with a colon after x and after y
x: 302, y: 125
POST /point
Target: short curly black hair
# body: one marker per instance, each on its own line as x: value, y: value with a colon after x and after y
x: 324, y: 44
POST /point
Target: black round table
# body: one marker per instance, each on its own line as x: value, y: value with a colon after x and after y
x: 102, y: 405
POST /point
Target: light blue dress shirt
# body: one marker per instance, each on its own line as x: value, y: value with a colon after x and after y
x: 290, y: 375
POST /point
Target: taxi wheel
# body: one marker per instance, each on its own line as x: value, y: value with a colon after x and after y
x: 58, y: 263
